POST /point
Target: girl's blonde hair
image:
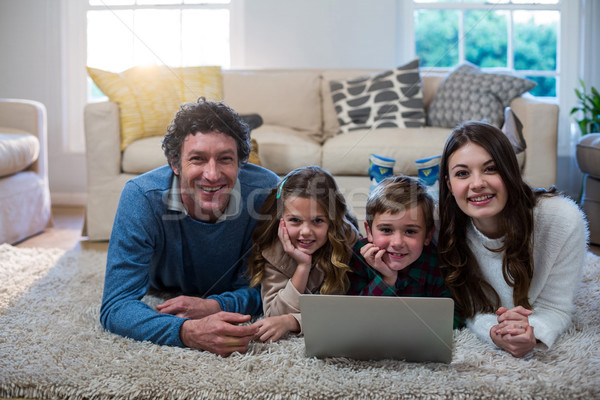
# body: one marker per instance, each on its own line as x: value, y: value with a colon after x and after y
x: 312, y: 183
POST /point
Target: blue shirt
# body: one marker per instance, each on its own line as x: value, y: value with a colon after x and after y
x: 154, y: 245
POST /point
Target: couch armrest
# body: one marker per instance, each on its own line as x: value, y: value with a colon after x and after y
x: 540, y: 129
x: 29, y: 116
x: 102, y: 141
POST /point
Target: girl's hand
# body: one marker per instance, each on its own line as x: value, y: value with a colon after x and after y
x: 374, y: 256
x: 514, y: 321
x: 271, y: 329
x: 304, y: 260
x: 518, y: 345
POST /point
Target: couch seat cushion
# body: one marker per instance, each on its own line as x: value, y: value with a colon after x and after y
x: 282, y: 149
x: 348, y: 154
x: 143, y: 155
x: 18, y: 150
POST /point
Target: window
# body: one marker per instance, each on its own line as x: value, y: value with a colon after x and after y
x: 178, y: 33
x: 517, y: 35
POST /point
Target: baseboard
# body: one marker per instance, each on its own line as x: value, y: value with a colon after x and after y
x: 68, y: 199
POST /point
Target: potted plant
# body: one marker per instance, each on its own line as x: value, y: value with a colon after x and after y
x: 589, y: 105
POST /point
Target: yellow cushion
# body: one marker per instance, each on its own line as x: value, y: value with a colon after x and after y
x: 149, y: 97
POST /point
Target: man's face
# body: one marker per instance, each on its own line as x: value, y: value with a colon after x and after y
x: 209, y: 170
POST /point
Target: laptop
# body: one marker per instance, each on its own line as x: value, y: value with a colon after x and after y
x: 416, y: 329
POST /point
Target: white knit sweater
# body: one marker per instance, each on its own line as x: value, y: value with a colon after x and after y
x: 560, y: 244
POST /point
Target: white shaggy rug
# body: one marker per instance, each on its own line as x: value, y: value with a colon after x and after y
x: 52, y: 346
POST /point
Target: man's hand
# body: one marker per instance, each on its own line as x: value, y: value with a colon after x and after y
x: 374, y: 257
x: 218, y: 334
x: 189, y: 307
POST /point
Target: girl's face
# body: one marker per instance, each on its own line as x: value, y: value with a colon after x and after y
x: 307, y: 224
x: 477, y: 187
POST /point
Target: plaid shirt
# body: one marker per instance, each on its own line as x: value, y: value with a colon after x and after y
x: 423, y: 278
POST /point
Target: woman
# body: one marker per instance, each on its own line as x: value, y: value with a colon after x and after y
x: 512, y: 256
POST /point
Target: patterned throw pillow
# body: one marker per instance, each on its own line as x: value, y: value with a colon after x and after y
x: 149, y: 97
x: 389, y: 99
x: 467, y: 93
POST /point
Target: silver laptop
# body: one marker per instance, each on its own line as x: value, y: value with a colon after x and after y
x: 371, y: 328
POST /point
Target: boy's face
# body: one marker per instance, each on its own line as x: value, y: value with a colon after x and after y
x: 401, y: 235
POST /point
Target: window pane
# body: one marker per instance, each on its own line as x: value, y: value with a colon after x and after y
x: 213, y: 27
x: 486, y: 36
x: 535, y: 40
x: 157, y: 46
x: 109, y: 39
x: 436, y: 36
x: 546, y: 86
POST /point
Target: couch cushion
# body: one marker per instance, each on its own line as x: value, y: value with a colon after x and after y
x: 348, y: 154
x: 18, y: 150
x: 283, y: 149
x: 288, y: 99
x: 467, y: 93
x: 149, y: 97
x: 143, y: 155
x: 391, y: 98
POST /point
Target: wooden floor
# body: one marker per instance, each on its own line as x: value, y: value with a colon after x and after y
x: 66, y: 232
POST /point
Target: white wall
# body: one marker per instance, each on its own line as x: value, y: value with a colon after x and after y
x: 319, y: 34
x: 30, y: 67
x: 271, y: 34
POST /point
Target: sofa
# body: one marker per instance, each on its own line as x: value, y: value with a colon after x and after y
x: 24, y: 191
x: 301, y: 128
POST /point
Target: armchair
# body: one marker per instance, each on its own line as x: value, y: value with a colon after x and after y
x: 24, y: 191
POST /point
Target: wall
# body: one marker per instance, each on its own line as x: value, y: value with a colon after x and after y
x: 322, y: 34
x: 30, y: 45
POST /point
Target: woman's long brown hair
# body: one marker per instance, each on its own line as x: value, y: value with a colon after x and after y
x: 462, y: 273
x: 333, y: 257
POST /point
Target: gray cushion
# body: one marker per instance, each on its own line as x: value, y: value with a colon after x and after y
x: 467, y: 93
x: 391, y: 99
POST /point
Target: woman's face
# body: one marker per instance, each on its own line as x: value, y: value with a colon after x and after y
x: 477, y: 187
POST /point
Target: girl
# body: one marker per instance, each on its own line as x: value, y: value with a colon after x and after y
x: 303, y: 247
x: 513, y: 256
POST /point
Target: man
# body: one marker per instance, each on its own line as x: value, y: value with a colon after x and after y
x: 186, y: 228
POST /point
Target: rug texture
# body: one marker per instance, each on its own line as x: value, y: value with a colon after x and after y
x: 52, y: 346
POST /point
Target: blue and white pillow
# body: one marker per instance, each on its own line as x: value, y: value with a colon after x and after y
x: 389, y: 99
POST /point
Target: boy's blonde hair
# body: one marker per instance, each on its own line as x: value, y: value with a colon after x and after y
x: 398, y: 194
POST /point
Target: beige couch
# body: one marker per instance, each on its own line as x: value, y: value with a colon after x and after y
x: 299, y: 129
x: 24, y: 192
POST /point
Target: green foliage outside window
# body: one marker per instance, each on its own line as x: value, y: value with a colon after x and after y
x: 486, y: 42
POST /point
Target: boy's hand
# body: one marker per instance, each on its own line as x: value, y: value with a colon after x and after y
x: 271, y: 329
x: 374, y: 256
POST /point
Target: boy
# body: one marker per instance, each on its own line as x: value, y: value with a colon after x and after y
x: 398, y: 257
